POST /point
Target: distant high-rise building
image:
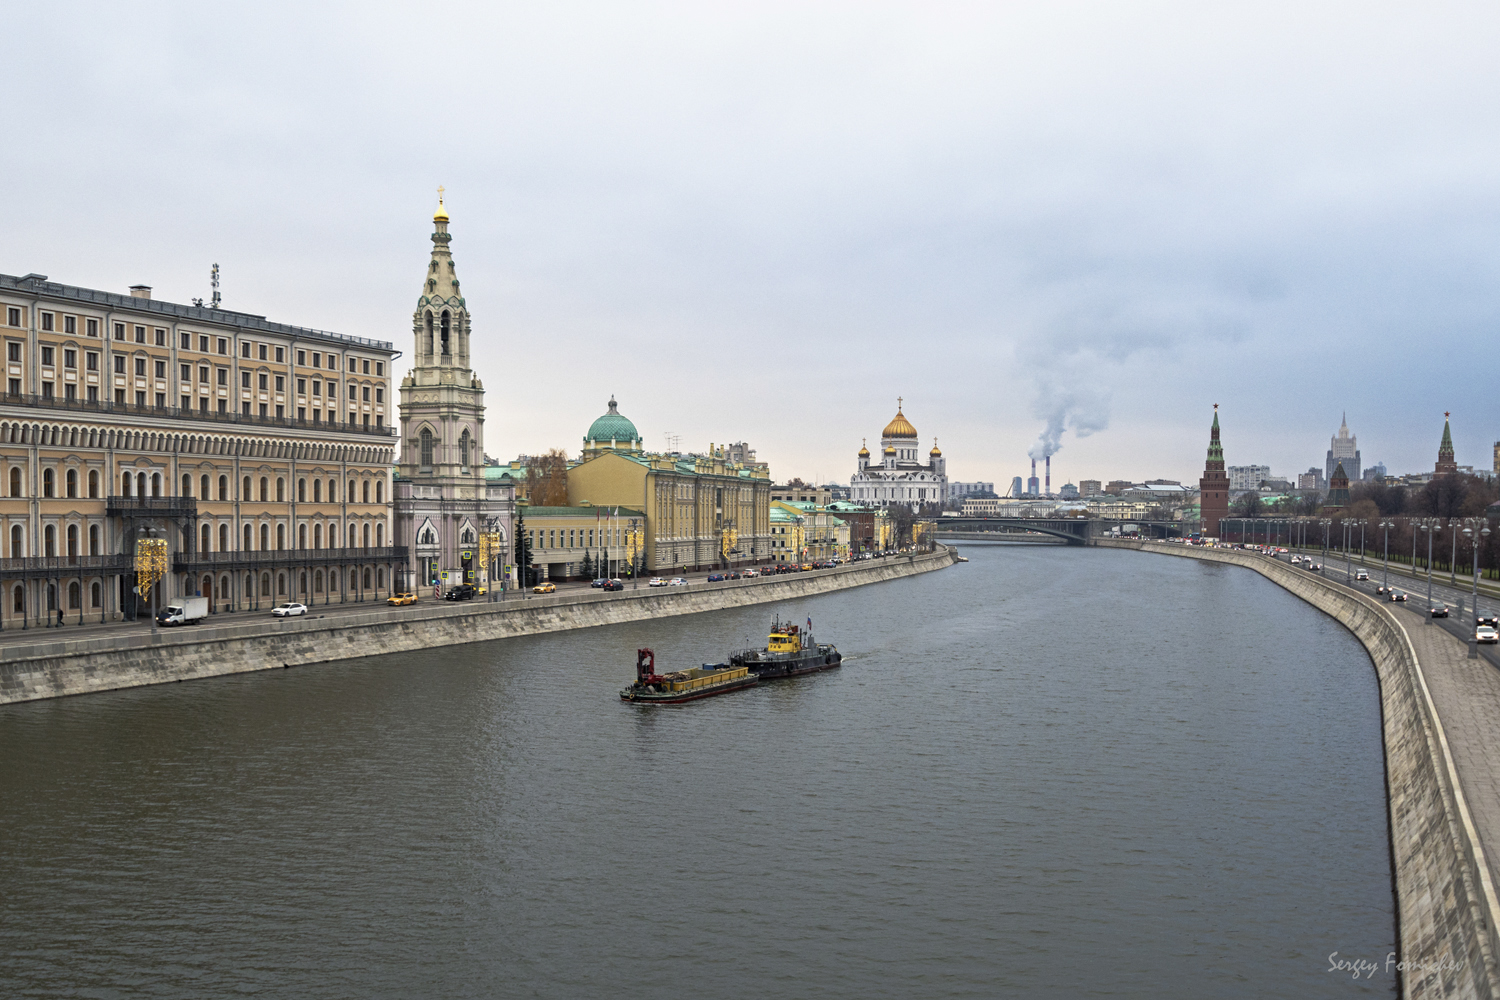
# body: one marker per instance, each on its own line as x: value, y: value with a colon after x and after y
x: 1015, y: 487
x: 1247, y: 477
x: 1092, y: 487
x: 1446, y: 466
x: 1068, y: 491
x: 957, y: 491
x: 1213, y: 488
x: 1376, y: 471
x: 1343, y: 448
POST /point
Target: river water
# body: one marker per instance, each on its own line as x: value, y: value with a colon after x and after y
x: 1049, y: 772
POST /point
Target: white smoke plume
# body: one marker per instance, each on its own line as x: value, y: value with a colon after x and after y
x: 1080, y: 408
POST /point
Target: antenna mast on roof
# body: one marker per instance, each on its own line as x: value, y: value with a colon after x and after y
x: 213, y: 280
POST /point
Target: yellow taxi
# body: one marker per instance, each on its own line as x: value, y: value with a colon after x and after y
x: 547, y: 587
x: 397, y: 600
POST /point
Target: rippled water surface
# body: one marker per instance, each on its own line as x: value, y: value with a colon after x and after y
x: 1050, y: 772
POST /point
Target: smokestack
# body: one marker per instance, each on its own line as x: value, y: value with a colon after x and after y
x: 1049, y: 475
x: 1031, y: 484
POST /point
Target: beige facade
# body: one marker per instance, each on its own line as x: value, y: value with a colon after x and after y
x: 560, y: 537
x: 261, y: 452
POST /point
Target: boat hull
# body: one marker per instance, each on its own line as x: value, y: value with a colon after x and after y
x: 775, y: 666
x: 641, y: 694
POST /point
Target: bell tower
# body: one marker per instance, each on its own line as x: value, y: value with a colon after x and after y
x: 443, y: 501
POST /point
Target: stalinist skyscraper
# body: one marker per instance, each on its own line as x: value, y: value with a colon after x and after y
x: 442, y: 504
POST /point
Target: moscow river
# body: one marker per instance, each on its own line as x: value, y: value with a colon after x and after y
x: 1050, y: 772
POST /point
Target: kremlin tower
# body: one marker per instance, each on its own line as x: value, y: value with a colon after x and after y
x: 1446, y: 466
x: 1213, y: 488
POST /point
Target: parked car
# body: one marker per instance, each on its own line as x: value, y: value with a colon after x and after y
x: 1397, y: 595
x: 398, y: 600
x: 1487, y: 633
x: 462, y: 592
x: 613, y: 585
x: 545, y: 587
x: 1438, y: 611
x: 289, y: 610
x: 657, y: 581
x: 716, y: 578
x: 677, y: 581
x: 1361, y: 574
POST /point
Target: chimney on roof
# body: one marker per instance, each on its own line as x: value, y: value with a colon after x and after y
x: 140, y: 291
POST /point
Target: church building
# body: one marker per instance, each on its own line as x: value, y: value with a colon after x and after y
x: 898, y: 476
x: 443, y: 501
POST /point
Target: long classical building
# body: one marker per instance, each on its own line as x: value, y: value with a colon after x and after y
x: 898, y: 476
x: 443, y: 499
x: 701, y: 511
x: 260, y: 451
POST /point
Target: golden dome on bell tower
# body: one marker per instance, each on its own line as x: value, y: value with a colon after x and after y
x: 899, y: 427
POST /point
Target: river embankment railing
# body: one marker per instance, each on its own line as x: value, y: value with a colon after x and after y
x: 1448, y: 914
x: 121, y: 659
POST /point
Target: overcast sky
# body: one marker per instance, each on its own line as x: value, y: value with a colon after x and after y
x: 765, y: 222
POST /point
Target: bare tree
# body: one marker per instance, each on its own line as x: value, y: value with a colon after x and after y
x: 547, y: 479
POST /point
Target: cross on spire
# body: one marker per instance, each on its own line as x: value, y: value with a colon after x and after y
x: 440, y: 192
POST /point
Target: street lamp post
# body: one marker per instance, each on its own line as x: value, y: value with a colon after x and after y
x: 1431, y: 526
x: 1348, y: 568
x: 1453, y: 558
x: 1475, y: 529
x: 1385, y: 527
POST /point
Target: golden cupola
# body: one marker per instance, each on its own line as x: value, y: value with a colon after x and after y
x: 936, y: 452
x: 864, y: 450
x: 899, y: 427
x: 441, y: 215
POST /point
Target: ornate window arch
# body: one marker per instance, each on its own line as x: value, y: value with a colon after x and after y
x: 426, y: 447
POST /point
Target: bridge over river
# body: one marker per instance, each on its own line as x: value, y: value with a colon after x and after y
x: 1072, y: 530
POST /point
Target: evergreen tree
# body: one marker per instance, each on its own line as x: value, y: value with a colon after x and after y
x: 588, y: 566
x: 523, y: 549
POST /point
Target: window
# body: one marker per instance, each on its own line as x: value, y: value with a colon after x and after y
x: 140, y: 335
x: 187, y: 403
x: 91, y: 360
x: 245, y: 493
x: 281, y: 383
x: 93, y: 495
x: 352, y: 394
x: 46, y: 321
x: 119, y: 331
x: 140, y: 399
x: 245, y: 379
x: 366, y: 393
x: 379, y: 395
x: 93, y: 394
x: 223, y: 346
x: 187, y: 486
x: 318, y: 493
x: 263, y: 350
x: 280, y: 410
x: 13, y: 351
x: 91, y: 327
x: 46, y: 357
x: 317, y: 360
x: 302, y: 358
x: 119, y: 364
x: 47, y: 482
x: 281, y: 354
x: 379, y: 491
x: 140, y: 367
x: 203, y: 344
x: 203, y: 487
x: 426, y: 448
x: 70, y: 324
x: 46, y: 390
x: 161, y: 400
x: 161, y: 369
x: 366, y: 492
x: 263, y: 381
x: 223, y: 487
x: 302, y: 491
x: 245, y: 349
x: 265, y: 489
x: 224, y: 376
x: 185, y: 372
x: 184, y: 341
x: 302, y: 387
x: 70, y: 359
x: 13, y: 387
x: 120, y: 396
x: 72, y: 484
x: 333, y: 391
x: 161, y: 337
x: 13, y: 316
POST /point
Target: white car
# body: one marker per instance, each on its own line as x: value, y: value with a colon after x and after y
x: 1486, y: 633
x: 1361, y: 574
x: 1296, y: 560
x: 677, y: 581
x: 657, y: 581
x: 288, y: 610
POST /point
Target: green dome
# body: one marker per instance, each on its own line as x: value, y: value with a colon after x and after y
x: 613, y: 426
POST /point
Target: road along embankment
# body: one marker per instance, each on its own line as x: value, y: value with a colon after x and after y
x: 135, y: 658
x: 1446, y: 900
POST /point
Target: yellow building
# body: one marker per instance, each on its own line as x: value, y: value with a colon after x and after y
x: 701, y: 511
x: 788, y: 534
x: 561, y: 537
x: 825, y: 535
x: 260, y: 451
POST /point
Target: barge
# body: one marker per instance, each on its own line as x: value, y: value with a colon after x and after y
x: 651, y: 688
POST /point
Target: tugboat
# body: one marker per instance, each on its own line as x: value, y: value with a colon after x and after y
x: 651, y: 688
x: 789, y: 651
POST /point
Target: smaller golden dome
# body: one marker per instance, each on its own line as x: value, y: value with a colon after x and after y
x: 864, y: 450
x: 441, y: 215
x: 890, y: 449
x: 899, y: 427
x: 936, y: 451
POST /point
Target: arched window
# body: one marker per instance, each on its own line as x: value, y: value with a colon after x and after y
x: 318, y: 582
x: 17, y: 543
x: 223, y: 538
x: 72, y: 541
x: 203, y: 485
x: 94, y: 486
x: 249, y: 544
x: 46, y: 482
x: 367, y: 578
x: 280, y: 584
x: 93, y: 539
x: 205, y: 536
x: 280, y: 490
x: 156, y: 484
x: 317, y: 491
x: 353, y: 536
x: 426, y: 448
x: 125, y: 485
x: 19, y: 606
x: 302, y: 491
x: 379, y: 577
x: 72, y: 483
x: 302, y: 582
x: 96, y: 596
x: 429, y: 333
x: 265, y: 537
x: 75, y: 596
x: 463, y: 450
x: 265, y: 489
x: 301, y: 536
x: 265, y: 585
x: 380, y: 491
x: 245, y: 493
x: 15, y: 482
x: 366, y: 492
x: 380, y: 536
x: 140, y: 485
x: 446, y: 324
x: 187, y: 485
x: 280, y: 537
x: 49, y: 542
x: 367, y: 535
x: 223, y: 487
x: 333, y: 491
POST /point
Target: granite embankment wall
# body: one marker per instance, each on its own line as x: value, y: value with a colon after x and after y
x: 1446, y: 901
x: 131, y: 659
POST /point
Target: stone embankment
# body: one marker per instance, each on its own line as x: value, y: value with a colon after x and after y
x: 132, y: 659
x: 1446, y: 899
